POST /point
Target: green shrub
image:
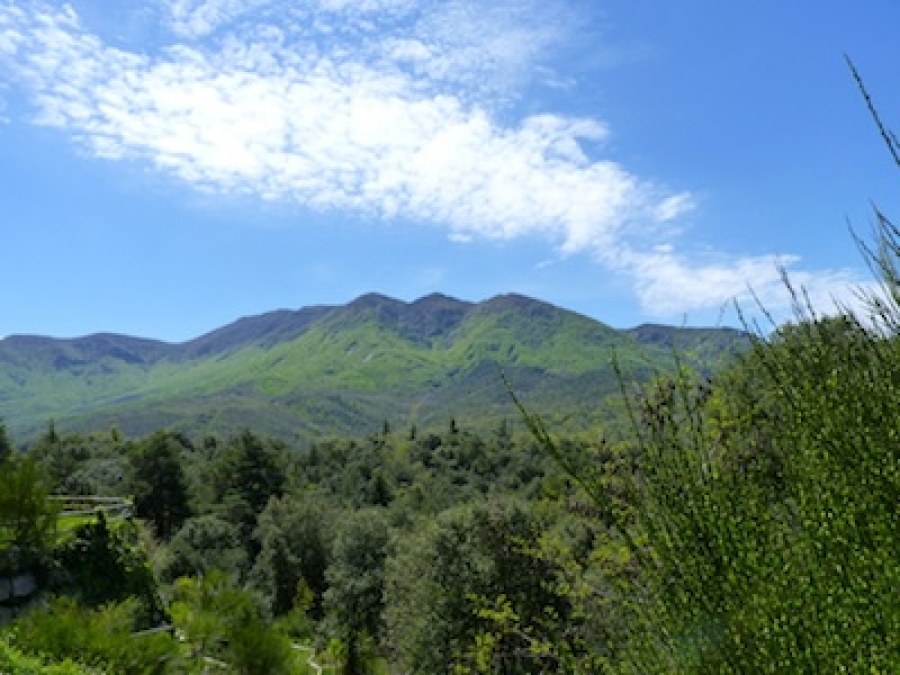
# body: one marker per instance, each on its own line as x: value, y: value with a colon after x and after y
x: 224, y: 622
x: 107, y: 563
x: 98, y: 638
x: 14, y: 662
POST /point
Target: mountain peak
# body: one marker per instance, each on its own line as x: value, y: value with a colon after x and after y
x: 439, y: 301
x: 515, y: 302
x: 420, y: 321
x: 376, y: 300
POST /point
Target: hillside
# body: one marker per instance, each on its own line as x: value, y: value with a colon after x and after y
x: 343, y: 369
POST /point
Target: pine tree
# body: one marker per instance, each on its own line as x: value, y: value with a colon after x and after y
x: 6, y: 446
x: 159, y: 485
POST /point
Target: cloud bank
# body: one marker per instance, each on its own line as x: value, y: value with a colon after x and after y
x: 389, y: 108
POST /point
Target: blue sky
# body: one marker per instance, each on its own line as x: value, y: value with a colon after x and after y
x: 167, y: 166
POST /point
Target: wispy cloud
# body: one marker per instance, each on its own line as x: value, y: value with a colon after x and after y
x: 328, y: 130
x: 669, y: 284
x: 199, y: 18
x: 383, y: 107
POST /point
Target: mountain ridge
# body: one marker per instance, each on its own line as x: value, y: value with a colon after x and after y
x: 340, y: 368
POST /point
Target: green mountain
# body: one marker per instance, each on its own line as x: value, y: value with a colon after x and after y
x: 344, y: 369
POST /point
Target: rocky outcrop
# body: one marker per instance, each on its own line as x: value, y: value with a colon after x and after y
x: 16, y: 593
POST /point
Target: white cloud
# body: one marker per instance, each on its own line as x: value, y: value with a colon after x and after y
x: 383, y: 107
x: 487, y: 48
x: 672, y: 207
x: 365, y: 6
x: 10, y: 37
x: 9, y: 41
x: 669, y: 285
x: 331, y: 132
x: 199, y: 18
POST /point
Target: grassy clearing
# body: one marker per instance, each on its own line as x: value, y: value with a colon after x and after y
x: 75, y: 512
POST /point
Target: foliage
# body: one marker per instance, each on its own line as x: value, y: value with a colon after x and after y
x: 354, y: 601
x: 106, y: 563
x: 295, y: 536
x: 6, y: 446
x: 158, y: 483
x: 447, y: 580
x: 222, y: 621
x: 91, y: 464
x: 98, y: 638
x: 205, y: 543
x: 768, y: 507
x: 297, y: 622
x: 27, y: 518
x: 250, y: 473
x: 14, y: 662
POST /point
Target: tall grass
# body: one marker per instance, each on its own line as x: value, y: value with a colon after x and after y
x: 766, y: 526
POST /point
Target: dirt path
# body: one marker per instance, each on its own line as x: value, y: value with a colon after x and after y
x: 312, y: 656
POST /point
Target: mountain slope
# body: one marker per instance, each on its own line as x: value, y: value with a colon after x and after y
x: 342, y: 369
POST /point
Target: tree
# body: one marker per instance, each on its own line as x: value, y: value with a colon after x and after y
x: 354, y: 601
x: 464, y: 579
x: 249, y: 474
x: 258, y: 474
x: 205, y: 543
x: 27, y: 516
x: 158, y: 483
x: 100, y: 638
x: 222, y: 621
x: 93, y: 464
x: 107, y: 563
x: 61, y: 457
x: 295, y: 536
x: 6, y: 446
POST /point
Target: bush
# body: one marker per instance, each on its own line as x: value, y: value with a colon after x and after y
x: 224, y: 622
x: 97, y: 638
x: 108, y: 563
x: 28, y: 517
x: 14, y: 662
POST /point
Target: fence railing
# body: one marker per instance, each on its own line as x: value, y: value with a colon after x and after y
x: 77, y: 506
x: 114, y: 508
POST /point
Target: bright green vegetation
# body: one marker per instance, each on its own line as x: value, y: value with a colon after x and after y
x: 341, y: 369
x: 14, y: 662
x: 27, y: 518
